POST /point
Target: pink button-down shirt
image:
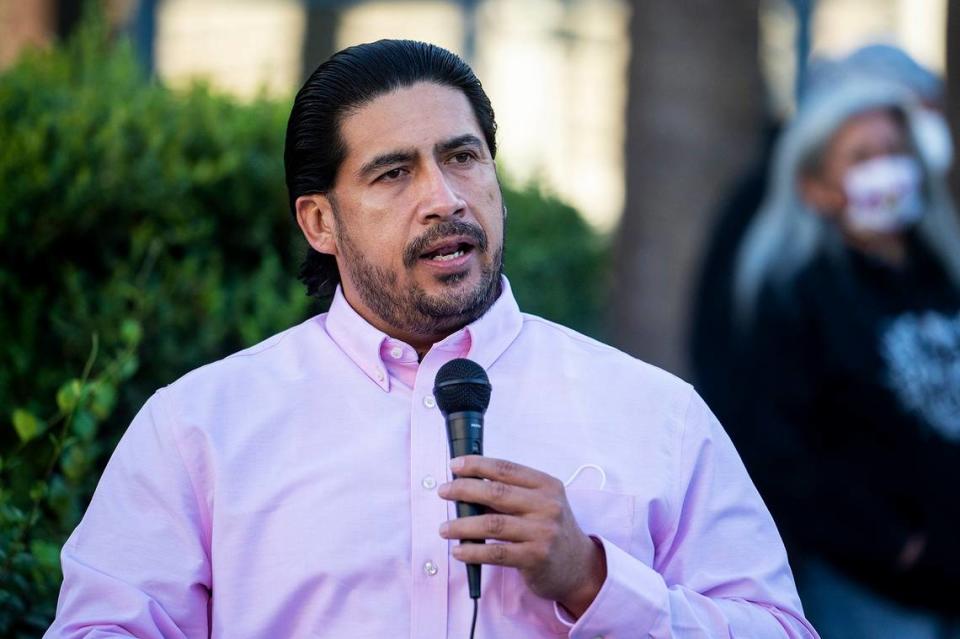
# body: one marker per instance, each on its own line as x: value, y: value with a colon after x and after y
x: 290, y: 491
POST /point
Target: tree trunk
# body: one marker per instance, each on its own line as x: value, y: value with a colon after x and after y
x: 320, y: 36
x: 953, y: 89
x: 694, y: 113
x: 69, y: 13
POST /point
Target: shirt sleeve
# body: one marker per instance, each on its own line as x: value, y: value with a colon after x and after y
x: 138, y: 564
x: 720, y: 568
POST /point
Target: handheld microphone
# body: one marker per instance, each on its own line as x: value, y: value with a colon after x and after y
x: 462, y: 391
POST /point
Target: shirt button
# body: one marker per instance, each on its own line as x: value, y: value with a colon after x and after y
x: 429, y: 568
x: 396, y: 352
x: 428, y: 401
x: 428, y: 482
x: 379, y: 376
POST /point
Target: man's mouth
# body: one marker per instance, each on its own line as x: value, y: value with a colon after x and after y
x: 447, y: 251
x: 447, y: 244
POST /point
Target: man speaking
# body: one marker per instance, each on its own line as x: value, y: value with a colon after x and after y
x: 302, y: 487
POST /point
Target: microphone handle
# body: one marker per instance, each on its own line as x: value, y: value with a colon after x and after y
x: 465, y: 435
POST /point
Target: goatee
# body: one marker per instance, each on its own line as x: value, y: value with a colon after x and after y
x: 412, y: 310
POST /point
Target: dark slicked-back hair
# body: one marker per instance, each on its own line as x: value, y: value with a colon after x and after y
x: 347, y: 81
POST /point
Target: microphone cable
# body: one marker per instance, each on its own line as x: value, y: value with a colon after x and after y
x: 473, y: 624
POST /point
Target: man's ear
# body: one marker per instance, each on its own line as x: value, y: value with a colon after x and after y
x: 824, y: 199
x: 318, y: 223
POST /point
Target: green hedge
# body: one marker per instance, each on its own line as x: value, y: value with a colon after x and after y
x: 143, y: 233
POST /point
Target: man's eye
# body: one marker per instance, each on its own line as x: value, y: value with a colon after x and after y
x: 462, y: 158
x: 392, y: 174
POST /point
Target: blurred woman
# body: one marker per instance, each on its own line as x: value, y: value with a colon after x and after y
x: 847, y: 294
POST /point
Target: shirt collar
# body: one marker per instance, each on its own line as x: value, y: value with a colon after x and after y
x: 357, y: 338
x: 370, y: 349
x: 495, y: 330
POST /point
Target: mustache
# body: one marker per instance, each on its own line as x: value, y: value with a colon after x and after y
x: 449, y: 228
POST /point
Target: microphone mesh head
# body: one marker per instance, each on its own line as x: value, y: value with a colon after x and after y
x: 462, y: 385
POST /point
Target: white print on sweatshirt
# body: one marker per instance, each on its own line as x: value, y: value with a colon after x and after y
x: 922, y: 352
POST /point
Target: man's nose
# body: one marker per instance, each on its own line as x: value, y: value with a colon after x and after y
x: 438, y: 196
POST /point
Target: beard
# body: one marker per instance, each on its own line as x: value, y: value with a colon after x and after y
x: 410, y: 308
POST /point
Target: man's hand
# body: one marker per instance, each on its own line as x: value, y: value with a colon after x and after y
x: 528, y: 511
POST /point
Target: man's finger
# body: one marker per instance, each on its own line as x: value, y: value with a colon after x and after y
x: 497, y: 495
x: 506, y: 554
x: 491, y: 526
x: 500, y: 470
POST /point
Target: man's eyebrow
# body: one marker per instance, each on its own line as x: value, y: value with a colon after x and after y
x: 399, y: 157
x: 385, y: 160
x: 467, y: 139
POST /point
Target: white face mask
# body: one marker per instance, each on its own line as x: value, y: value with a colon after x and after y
x: 883, y: 194
x: 932, y: 133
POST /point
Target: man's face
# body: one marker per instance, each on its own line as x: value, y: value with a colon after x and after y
x: 417, y: 214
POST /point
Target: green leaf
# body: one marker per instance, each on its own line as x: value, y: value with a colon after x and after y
x: 12, y: 515
x: 131, y: 332
x: 84, y: 425
x: 39, y: 491
x: 74, y: 463
x: 69, y: 395
x: 26, y: 424
x: 129, y: 367
x: 47, y: 554
x: 24, y: 561
x: 104, y: 398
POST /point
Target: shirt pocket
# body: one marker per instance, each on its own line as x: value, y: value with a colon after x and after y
x: 598, y: 512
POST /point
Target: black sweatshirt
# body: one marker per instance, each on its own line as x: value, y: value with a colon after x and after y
x: 849, y: 419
